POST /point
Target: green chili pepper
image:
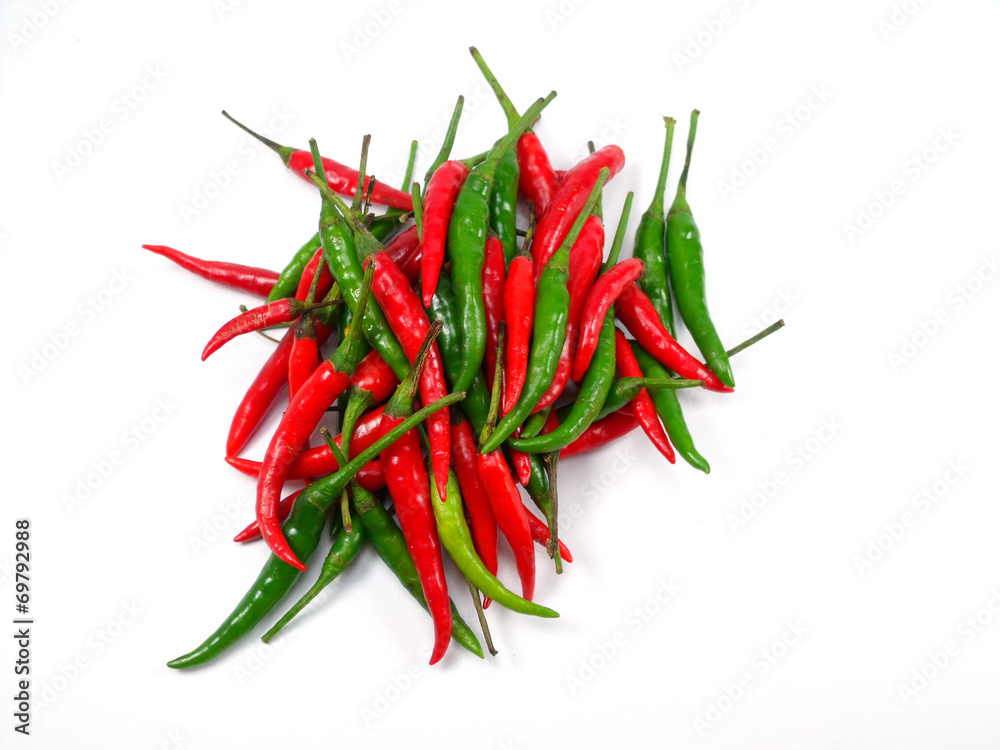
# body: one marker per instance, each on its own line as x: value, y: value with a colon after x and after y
x: 624, y: 390
x: 687, y: 273
x: 467, y: 232
x: 593, y: 393
x: 651, y: 241
x: 346, y: 545
x: 288, y: 279
x: 551, y: 314
x: 503, y: 203
x: 669, y: 408
x: 457, y: 540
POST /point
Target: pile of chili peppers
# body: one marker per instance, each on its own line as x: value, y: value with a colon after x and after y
x: 463, y: 357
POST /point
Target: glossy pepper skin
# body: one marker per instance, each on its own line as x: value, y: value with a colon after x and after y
x: 494, y: 277
x: 600, y: 433
x: 519, y: 313
x: 481, y: 518
x: 270, y: 314
x: 601, y: 298
x: 262, y: 393
x: 439, y: 203
x: 503, y: 205
x: 685, y: 258
x: 511, y: 516
x: 642, y: 404
x: 288, y: 279
x: 249, y: 279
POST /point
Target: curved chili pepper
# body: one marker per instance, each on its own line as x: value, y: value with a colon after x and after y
x: 303, y: 415
x: 687, y: 274
x: 481, y: 519
x: 535, y: 179
x: 409, y: 487
x: 467, y: 235
x: 637, y: 313
x: 601, y: 432
x: 551, y: 312
x: 261, y: 394
x: 518, y: 312
x: 569, y: 201
x: 493, y: 301
x: 406, y: 252
x: 251, y: 531
x: 303, y: 530
x: 341, y: 178
x: 270, y: 314
x: 642, y: 404
x: 584, y: 264
x: 258, y: 281
x: 323, y: 284
x: 455, y: 537
x: 602, y: 296
x: 540, y: 533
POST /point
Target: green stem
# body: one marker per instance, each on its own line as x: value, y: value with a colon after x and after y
x: 755, y: 338
x: 692, y: 131
x: 482, y: 618
x: 449, y: 139
x: 616, y: 245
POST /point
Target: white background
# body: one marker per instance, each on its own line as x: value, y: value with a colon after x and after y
x: 142, y: 541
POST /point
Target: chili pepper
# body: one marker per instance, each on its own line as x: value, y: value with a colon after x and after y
x: 341, y: 178
x: 406, y: 252
x: 533, y: 425
x: 535, y: 176
x: 467, y: 234
x: 258, y: 281
x: 668, y: 408
x: 481, y: 519
x: 406, y: 478
x: 503, y: 205
x: 346, y: 546
x: 270, y: 314
x: 602, y: 296
x: 590, y: 399
x: 551, y: 312
x: 518, y: 313
x: 304, y: 358
x: 625, y: 389
x: 252, y: 531
x: 261, y: 394
x: 687, y: 273
x: 302, y: 530
x: 323, y: 284
x: 569, y: 201
x: 288, y: 279
x: 455, y: 537
x: 584, y: 263
x: 639, y: 316
x: 408, y: 321
x: 301, y: 418
x: 642, y: 404
x: 444, y: 181
x: 540, y: 533
x: 651, y: 241
x: 601, y: 432
x: 504, y: 499
x: 493, y: 301
x: 375, y: 376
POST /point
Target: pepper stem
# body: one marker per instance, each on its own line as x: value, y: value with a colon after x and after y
x: 418, y: 209
x: 551, y: 466
x: 449, y: 139
x: 359, y: 194
x: 692, y: 131
x: 616, y: 245
x: 349, y: 352
x: 755, y: 338
x: 285, y: 152
x: 345, y: 509
x: 491, y: 417
x: 656, y: 207
x: 401, y: 403
x: 482, y: 618
x: 508, y: 106
x: 488, y: 167
x: 367, y: 244
x: 598, y: 209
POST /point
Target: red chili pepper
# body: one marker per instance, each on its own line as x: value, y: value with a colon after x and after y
x: 375, y: 376
x: 567, y: 203
x: 585, y: 260
x: 251, y: 531
x: 273, y: 313
x: 406, y: 252
x: 602, y: 432
x: 256, y: 281
x: 493, y: 301
x: 308, y: 274
x: 519, y: 315
x: 636, y: 311
x: 319, y: 461
x: 536, y: 181
x: 560, y: 176
x: 263, y: 391
x: 540, y: 533
x: 642, y: 404
x: 511, y: 515
x: 481, y: 521
x: 304, y: 358
x: 602, y: 295
x: 439, y: 202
